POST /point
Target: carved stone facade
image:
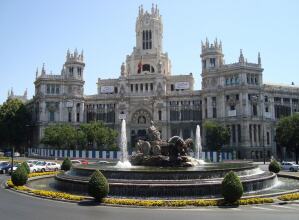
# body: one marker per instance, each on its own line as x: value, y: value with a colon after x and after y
x: 233, y: 94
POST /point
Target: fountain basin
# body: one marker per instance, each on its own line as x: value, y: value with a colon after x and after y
x: 169, y: 182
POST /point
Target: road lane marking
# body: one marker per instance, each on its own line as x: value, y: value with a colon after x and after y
x: 284, y: 207
x: 263, y: 208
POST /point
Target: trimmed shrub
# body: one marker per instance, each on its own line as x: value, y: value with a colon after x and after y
x: 66, y: 164
x: 19, y: 177
x: 232, y: 188
x: 274, y: 166
x: 26, y: 167
x: 98, y: 186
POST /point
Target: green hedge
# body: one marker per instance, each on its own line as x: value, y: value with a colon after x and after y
x: 66, y: 164
x: 274, y: 166
x: 232, y: 188
x: 98, y: 186
x: 20, y: 176
x: 26, y: 167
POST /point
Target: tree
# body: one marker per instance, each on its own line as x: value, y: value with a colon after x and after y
x: 60, y: 136
x: 66, y: 164
x: 287, y: 134
x: 98, y: 186
x: 216, y: 136
x: 14, y: 121
x: 232, y: 188
x: 68, y: 137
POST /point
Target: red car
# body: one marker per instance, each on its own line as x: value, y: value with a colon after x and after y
x: 84, y: 162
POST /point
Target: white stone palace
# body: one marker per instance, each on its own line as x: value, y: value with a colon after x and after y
x: 146, y: 89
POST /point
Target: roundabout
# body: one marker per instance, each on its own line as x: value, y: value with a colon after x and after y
x: 23, y: 207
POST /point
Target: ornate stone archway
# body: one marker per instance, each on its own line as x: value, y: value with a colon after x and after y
x: 141, y: 117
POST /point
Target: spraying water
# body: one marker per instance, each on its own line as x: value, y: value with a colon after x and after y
x: 198, y: 147
x: 124, y: 162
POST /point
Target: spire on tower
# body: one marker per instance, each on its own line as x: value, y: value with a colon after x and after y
x: 36, y: 73
x: 81, y: 55
x: 76, y: 53
x: 25, y: 93
x: 11, y: 92
x: 68, y: 54
x: 241, y: 57
x: 259, y: 60
x: 153, y: 9
x: 43, y: 70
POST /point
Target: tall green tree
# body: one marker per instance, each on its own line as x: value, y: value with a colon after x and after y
x: 14, y: 123
x: 68, y: 137
x: 287, y: 134
x: 216, y: 136
x: 60, y: 136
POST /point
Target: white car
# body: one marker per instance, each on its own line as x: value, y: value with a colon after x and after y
x: 76, y: 162
x: 31, y: 162
x: 291, y: 166
x: 43, y: 166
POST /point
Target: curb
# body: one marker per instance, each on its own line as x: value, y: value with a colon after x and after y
x: 89, y: 199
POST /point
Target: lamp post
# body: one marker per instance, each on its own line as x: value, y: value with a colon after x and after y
x: 12, y: 158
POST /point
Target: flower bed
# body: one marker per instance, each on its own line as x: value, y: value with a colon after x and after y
x: 144, y: 203
x: 180, y: 203
x: 30, y: 175
x: 289, y: 197
x: 44, y: 193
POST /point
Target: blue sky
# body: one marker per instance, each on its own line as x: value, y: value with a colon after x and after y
x: 37, y: 32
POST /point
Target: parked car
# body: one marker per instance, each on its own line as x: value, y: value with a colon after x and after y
x: 31, y: 161
x: 76, y: 162
x: 14, y: 168
x: 43, y: 166
x: 84, y: 162
x: 4, y: 166
x: 16, y: 154
x: 291, y: 166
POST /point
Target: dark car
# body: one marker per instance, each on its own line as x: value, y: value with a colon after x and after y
x: 4, y: 166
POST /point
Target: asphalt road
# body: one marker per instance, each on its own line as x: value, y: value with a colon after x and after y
x: 16, y: 206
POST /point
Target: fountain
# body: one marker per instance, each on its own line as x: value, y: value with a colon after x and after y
x: 163, y: 169
x: 198, y: 147
x: 124, y: 162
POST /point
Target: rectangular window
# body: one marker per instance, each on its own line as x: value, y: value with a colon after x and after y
x: 259, y: 132
x: 214, y: 113
x: 171, y: 87
x: 70, y: 116
x: 250, y: 132
x: 146, y: 86
x: 132, y: 88
x: 51, y: 116
x: 141, y: 87
x: 268, y: 138
x: 237, y: 97
x: 57, y: 89
x: 254, y: 133
x: 204, y: 64
x: 152, y: 86
x: 78, y: 117
x: 212, y: 62
x: 254, y: 110
x: 48, y: 89
x: 115, y: 89
x: 234, y: 133
x: 160, y: 115
x: 136, y: 87
x: 239, y: 133
x: 52, y: 89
